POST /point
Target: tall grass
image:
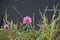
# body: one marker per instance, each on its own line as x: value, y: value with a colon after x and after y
x: 46, y: 31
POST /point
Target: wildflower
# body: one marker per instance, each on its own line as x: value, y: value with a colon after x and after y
x: 6, y: 26
x: 27, y: 19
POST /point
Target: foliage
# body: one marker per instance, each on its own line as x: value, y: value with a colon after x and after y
x: 46, y: 31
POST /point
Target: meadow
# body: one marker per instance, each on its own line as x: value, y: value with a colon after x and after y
x: 27, y: 29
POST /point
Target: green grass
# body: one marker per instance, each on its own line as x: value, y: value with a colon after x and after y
x: 46, y: 31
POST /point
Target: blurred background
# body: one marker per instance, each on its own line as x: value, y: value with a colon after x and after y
x: 28, y: 7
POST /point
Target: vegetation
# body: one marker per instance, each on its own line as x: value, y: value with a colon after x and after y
x: 27, y: 31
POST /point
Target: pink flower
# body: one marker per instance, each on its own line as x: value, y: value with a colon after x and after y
x: 6, y: 26
x: 27, y: 19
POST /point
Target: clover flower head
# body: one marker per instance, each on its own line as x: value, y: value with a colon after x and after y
x: 27, y: 19
x: 6, y: 26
